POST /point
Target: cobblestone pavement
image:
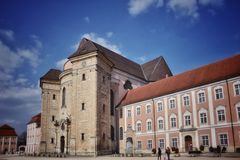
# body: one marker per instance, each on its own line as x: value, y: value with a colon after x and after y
x: 113, y: 158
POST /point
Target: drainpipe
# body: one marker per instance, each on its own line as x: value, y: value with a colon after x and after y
x: 154, y: 125
x: 229, y: 103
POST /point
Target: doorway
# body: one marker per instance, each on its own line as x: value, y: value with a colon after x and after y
x: 62, y: 144
x: 129, y: 145
x: 188, y: 143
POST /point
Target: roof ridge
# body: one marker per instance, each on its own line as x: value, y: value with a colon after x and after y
x: 159, y: 59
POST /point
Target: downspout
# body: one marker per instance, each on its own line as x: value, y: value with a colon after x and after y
x: 229, y: 103
x: 154, y: 125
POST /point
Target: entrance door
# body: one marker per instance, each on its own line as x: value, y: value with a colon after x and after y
x: 129, y: 145
x: 62, y: 144
x: 188, y: 143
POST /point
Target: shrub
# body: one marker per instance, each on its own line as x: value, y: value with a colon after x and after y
x: 176, y: 150
x: 201, y: 148
x: 210, y: 149
x: 154, y: 151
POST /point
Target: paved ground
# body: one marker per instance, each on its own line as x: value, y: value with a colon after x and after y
x: 113, y: 158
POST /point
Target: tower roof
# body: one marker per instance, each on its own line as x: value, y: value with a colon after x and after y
x: 6, y: 130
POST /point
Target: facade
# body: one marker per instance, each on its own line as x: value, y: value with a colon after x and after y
x: 197, y: 107
x: 78, y: 104
x: 33, y: 134
x: 8, y: 139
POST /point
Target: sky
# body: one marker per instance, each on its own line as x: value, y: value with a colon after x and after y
x: 38, y: 35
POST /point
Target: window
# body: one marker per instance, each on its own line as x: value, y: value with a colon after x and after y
x: 174, y: 142
x: 129, y: 113
x: 201, y: 97
x: 112, y: 133
x: 129, y: 127
x: 173, y: 121
x: 52, y: 140
x: 103, y: 79
x: 104, y: 136
x: 63, y: 97
x: 120, y: 113
x: 172, y: 103
x: 54, y: 97
x: 121, y: 133
x: 203, y: 118
x: 161, y: 143
x: 159, y: 106
x: 219, y: 93
x: 139, y: 145
x: 82, y: 136
x: 149, y: 144
x: 53, y: 118
x: 221, y: 114
x: 83, y: 77
x: 149, y: 109
x: 112, y: 102
x: 138, y: 110
x: 237, y: 89
x: 205, y: 140
x: 160, y: 123
x: 149, y: 125
x: 139, y: 126
x: 223, y: 139
x: 83, y: 106
x: 238, y: 111
x: 186, y: 101
x: 187, y: 120
x: 103, y: 108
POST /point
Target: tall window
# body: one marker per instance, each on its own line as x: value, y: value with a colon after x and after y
x: 238, y: 111
x: 173, y: 121
x: 187, y: 120
x: 138, y: 110
x: 149, y: 109
x: 221, y: 114
x: 149, y: 144
x: 237, y: 89
x: 82, y: 136
x: 139, y: 126
x: 186, y: 101
x: 161, y: 143
x: 53, y: 118
x: 129, y: 113
x: 112, y: 133
x: 160, y: 123
x: 139, y: 144
x: 149, y: 125
x: 203, y: 118
x: 54, y: 97
x: 201, y: 97
x: 219, y: 93
x: 83, y: 77
x: 64, y: 97
x: 121, y: 133
x: 83, y: 106
x: 172, y: 103
x: 52, y: 140
x: 120, y: 112
x: 112, y: 102
x: 223, y: 139
x: 174, y: 142
x: 160, y: 106
x: 205, y: 140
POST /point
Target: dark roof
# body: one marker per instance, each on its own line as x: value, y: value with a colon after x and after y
x: 221, y: 70
x: 6, y: 130
x: 36, y: 119
x: 122, y: 63
x: 51, y: 75
x: 156, y: 69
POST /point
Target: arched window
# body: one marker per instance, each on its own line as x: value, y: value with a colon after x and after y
x: 112, y: 102
x: 160, y: 122
x: 203, y: 116
x: 64, y: 97
x: 173, y: 120
x: 139, y: 126
x: 121, y: 133
x: 221, y: 114
x: 219, y: 92
x: 201, y: 96
x: 236, y: 87
x: 187, y: 119
x: 149, y: 125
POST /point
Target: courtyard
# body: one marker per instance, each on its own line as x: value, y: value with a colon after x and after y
x: 15, y: 157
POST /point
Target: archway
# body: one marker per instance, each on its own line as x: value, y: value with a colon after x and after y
x: 188, y: 143
x: 129, y: 145
x: 62, y: 144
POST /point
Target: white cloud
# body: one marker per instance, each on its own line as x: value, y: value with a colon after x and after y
x: 102, y: 41
x: 87, y: 19
x: 215, y: 3
x: 5, y: 76
x: 21, y: 81
x: 9, y: 34
x: 109, y: 34
x: 36, y: 40
x: 60, y: 63
x: 139, y: 6
x: 142, y: 59
x: 31, y: 55
x: 184, y: 8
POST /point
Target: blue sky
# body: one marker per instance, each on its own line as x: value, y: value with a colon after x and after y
x: 38, y: 35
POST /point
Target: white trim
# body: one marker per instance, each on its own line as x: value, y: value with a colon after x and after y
x: 224, y: 109
x: 136, y: 110
x: 213, y: 135
x: 234, y: 89
x: 169, y: 104
x: 177, y: 141
x: 210, y: 104
x: 160, y: 118
x: 220, y: 140
x: 187, y: 113
x: 148, y: 104
x: 133, y: 116
x: 203, y: 110
x: 166, y: 113
x: 158, y: 102
x: 189, y: 103
x: 125, y: 119
x: 201, y: 140
x: 198, y: 98
x: 173, y: 115
x: 179, y: 110
x: 138, y: 121
x: 149, y: 120
x: 194, y: 110
x: 236, y: 107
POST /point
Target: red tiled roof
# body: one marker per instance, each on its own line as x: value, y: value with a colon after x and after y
x: 36, y: 119
x: 6, y: 130
x: 220, y: 70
